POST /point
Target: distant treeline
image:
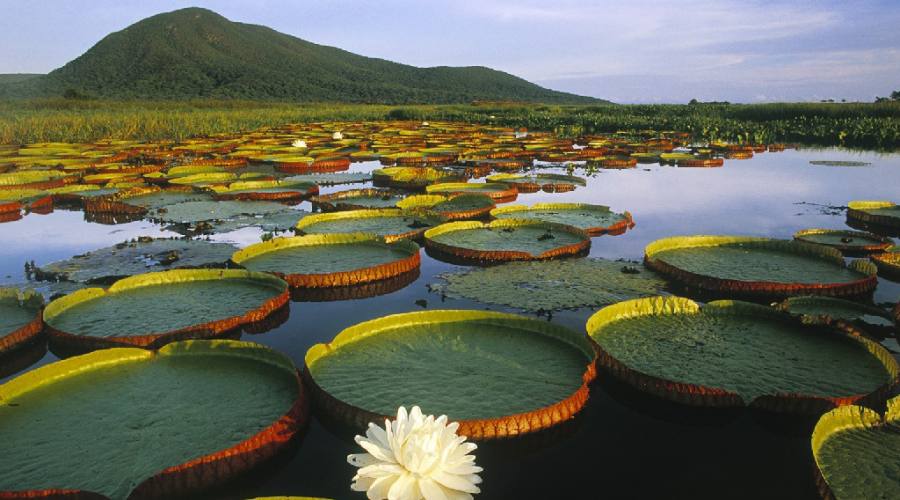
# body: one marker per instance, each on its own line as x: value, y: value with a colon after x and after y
x: 864, y: 125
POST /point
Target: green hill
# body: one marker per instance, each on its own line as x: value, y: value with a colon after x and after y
x: 196, y: 53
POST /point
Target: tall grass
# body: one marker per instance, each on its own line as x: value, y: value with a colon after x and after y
x: 52, y: 120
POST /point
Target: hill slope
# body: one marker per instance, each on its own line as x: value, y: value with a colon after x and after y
x: 197, y: 53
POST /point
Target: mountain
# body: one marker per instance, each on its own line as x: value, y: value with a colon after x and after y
x: 196, y: 53
x: 17, y: 77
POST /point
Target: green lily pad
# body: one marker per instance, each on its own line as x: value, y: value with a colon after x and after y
x: 742, y: 349
x: 828, y: 309
x: 154, y: 304
x: 488, y: 365
x: 358, y: 199
x: 330, y: 260
x: 388, y: 223
x: 854, y: 242
x: 136, y: 413
x: 135, y: 257
x: 553, y: 285
x: 495, y: 190
x: 881, y: 213
x: 839, y: 163
x: 451, y: 207
x: 507, y: 239
x: 226, y: 216
x: 330, y: 179
x: 539, y: 181
x: 18, y: 309
x: 855, y: 450
x: 759, y: 266
x: 595, y: 219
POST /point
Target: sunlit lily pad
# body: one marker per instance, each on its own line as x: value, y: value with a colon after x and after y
x: 595, y: 219
x: 411, y: 177
x: 265, y: 190
x: 156, y: 308
x: 880, y: 213
x: 855, y: 451
x: 137, y: 256
x: 731, y: 353
x: 358, y: 199
x: 498, y: 192
x: 149, y: 423
x: 553, y: 285
x: 759, y: 267
x: 888, y: 264
x: 450, y: 207
x: 330, y: 260
x: 390, y: 223
x: 20, y: 313
x: 850, y: 242
x: 500, y: 375
x: 507, y: 239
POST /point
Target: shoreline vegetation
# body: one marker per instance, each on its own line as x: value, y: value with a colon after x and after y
x: 855, y: 125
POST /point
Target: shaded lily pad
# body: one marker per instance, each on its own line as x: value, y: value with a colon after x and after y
x: 553, y: 285
x: 330, y: 179
x: 731, y: 353
x: 535, y: 182
x: 759, y: 267
x: 595, y: 219
x: 330, y: 260
x: 225, y: 216
x: 358, y: 199
x: 389, y: 223
x: 500, y: 375
x: 156, y: 308
x: 507, y: 239
x: 855, y: 451
x: 236, y: 404
x: 829, y: 309
x: 839, y: 163
x: 135, y: 257
x: 850, y: 242
x: 20, y: 313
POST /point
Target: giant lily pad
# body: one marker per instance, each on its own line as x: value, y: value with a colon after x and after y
x: 507, y: 239
x: 888, y: 264
x: 390, y: 223
x: 265, y: 190
x: 829, y: 309
x: 552, y: 285
x: 529, y: 183
x: 137, y: 256
x: 331, y: 260
x: 595, y: 219
x: 450, y: 207
x: 358, y: 199
x: 500, y: 375
x: 731, y: 353
x: 20, y: 318
x: 849, y: 242
x: 856, y: 451
x: 759, y: 267
x: 411, y: 177
x: 880, y: 213
x: 156, y: 308
x: 330, y: 179
x: 498, y: 192
x: 225, y: 216
x: 147, y: 424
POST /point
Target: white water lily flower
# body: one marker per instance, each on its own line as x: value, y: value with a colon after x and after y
x: 337, y: 136
x: 425, y: 124
x: 415, y: 457
x: 299, y: 143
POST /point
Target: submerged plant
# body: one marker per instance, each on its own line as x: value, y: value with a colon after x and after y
x: 415, y: 457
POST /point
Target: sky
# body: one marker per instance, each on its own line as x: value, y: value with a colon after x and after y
x: 636, y: 51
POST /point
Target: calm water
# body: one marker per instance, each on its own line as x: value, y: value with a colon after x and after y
x: 623, y: 445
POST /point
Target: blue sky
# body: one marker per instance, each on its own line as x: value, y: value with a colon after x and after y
x: 631, y: 51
